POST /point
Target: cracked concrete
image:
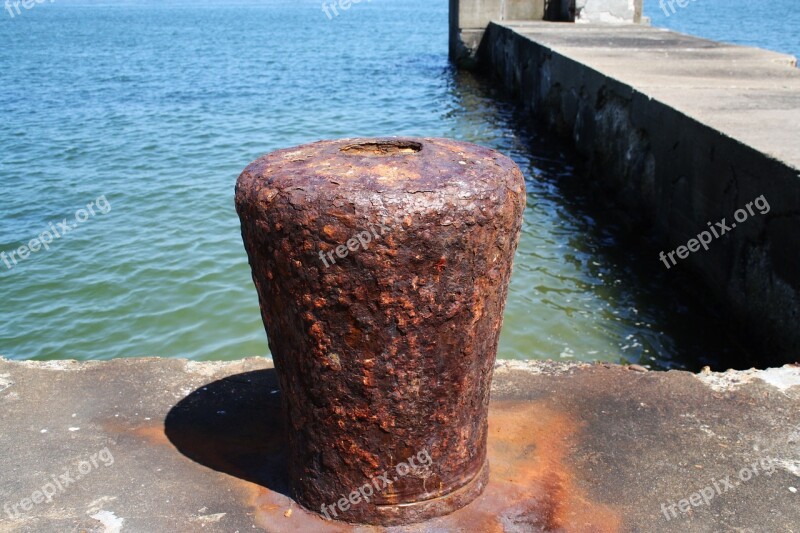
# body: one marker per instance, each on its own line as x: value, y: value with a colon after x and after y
x: 573, y: 447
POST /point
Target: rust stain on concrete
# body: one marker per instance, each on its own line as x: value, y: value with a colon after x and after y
x: 533, y: 481
x: 533, y: 485
x: 152, y: 433
x: 270, y: 514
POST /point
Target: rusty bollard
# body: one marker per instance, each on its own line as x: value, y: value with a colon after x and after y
x: 382, y: 269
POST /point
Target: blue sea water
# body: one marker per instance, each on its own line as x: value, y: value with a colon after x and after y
x: 770, y: 24
x: 153, y: 109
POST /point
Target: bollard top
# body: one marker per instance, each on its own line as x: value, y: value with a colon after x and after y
x: 387, y: 166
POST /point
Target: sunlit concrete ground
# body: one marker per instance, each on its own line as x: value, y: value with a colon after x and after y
x: 170, y: 445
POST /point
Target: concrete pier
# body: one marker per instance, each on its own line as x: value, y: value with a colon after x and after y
x: 682, y: 133
x: 679, y: 132
x: 141, y: 445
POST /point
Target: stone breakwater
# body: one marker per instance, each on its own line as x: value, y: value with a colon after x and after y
x: 678, y: 131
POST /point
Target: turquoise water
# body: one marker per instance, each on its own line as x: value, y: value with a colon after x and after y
x: 153, y: 109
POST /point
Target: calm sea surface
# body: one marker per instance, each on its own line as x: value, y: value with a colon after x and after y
x: 771, y: 24
x: 148, y: 111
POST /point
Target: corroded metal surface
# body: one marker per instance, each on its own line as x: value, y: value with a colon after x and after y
x: 534, y: 487
x: 382, y: 267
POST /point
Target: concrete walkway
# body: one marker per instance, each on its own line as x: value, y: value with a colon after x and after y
x: 748, y: 94
x: 145, y: 445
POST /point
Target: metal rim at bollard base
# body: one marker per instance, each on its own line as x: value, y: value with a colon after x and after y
x: 382, y: 270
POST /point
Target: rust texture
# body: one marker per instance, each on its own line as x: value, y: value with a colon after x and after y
x: 535, y: 484
x: 382, y: 268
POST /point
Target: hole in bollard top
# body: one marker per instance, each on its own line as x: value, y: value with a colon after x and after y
x: 382, y: 148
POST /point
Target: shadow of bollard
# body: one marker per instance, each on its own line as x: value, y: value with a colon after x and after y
x: 234, y: 425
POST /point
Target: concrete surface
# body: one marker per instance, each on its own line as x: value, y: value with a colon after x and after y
x: 679, y: 132
x: 469, y: 19
x: 152, y: 445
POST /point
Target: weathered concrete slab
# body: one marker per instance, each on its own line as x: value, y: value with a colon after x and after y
x: 680, y: 133
x: 169, y: 445
x: 749, y: 94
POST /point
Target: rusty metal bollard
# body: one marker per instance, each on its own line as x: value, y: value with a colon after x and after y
x: 382, y: 269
